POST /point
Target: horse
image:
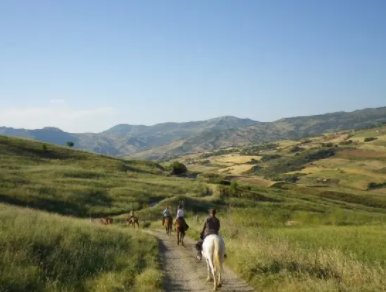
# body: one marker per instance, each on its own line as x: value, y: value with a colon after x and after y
x: 213, y: 250
x: 168, y: 223
x: 180, y: 230
x: 132, y: 221
x: 107, y: 220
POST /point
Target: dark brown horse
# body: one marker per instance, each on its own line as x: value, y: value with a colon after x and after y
x: 132, y: 221
x: 168, y: 223
x: 107, y: 221
x: 180, y: 226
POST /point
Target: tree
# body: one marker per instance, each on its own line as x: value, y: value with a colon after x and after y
x: 178, y: 168
x: 70, y: 144
x: 44, y: 148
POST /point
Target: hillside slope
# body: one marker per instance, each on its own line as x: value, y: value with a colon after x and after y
x: 42, y: 252
x: 128, y: 139
x: 74, y: 182
x: 290, y: 128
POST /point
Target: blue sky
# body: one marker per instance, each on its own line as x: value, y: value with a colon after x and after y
x: 88, y: 65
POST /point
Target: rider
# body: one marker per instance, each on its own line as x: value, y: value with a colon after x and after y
x: 180, y: 216
x: 211, y: 226
x: 166, y: 214
x: 131, y: 214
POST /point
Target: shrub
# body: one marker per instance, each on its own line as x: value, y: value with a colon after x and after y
x: 369, y: 139
x: 70, y: 144
x: 296, y: 148
x: 178, y: 168
x: 44, y: 148
x: 374, y: 185
x: 269, y: 157
x: 255, y: 150
x: 347, y: 142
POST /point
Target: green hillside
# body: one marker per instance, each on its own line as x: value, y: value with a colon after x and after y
x: 72, y: 182
x: 289, y: 128
x: 321, y: 233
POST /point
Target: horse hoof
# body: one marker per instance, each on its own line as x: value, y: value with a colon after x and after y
x: 219, y: 285
x: 208, y: 279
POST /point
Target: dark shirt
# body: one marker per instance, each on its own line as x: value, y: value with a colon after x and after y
x: 211, y: 226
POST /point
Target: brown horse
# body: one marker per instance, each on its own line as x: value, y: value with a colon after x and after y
x: 180, y: 229
x: 107, y: 221
x: 168, y: 223
x: 132, y: 221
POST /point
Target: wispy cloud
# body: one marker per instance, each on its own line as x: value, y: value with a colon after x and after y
x: 63, y: 117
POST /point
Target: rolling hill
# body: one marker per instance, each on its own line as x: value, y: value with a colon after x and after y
x: 168, y: 140
x: 289, y: 128
x: 324, y: 232
x: 123, y: 139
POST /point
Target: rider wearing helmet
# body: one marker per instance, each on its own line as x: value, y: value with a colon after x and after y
x: 211, y: 226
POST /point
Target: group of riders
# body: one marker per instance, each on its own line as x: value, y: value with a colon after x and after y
x: 211, y: 225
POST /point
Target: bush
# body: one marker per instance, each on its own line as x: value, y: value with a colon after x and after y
x: 369, y: 139
x: 178, y: 168
x: 296, y: 149
x: 270, y: 157
x: 374, y: 185
x: 44, y: 148
x: 347, y: 142
x: 255, y: 150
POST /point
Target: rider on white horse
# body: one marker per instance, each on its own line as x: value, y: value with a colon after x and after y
x: 211, y: 226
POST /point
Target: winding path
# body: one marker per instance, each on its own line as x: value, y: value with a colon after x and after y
x: 184, y: 273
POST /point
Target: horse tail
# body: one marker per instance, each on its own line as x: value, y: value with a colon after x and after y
x: 217, y: 255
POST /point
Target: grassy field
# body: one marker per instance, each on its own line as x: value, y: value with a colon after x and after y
x: 326, y: 232
x: 44, y: 252
x: 82, y: 184
x: 298, y: 240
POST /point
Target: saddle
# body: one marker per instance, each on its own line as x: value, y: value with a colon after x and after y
x: 182, y: 223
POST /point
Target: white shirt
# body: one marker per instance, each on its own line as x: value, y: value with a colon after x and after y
x: 180, y: 213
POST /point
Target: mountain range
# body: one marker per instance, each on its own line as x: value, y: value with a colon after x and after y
x: 173, y: 139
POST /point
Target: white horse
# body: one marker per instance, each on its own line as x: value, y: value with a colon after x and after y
x: 213, y: 251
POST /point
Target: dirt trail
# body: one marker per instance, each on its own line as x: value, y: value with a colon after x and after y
x: 184, y: 273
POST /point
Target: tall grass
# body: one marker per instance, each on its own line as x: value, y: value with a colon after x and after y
x: 297, y: 259
x: 43, y: 252
x: 82, y: 184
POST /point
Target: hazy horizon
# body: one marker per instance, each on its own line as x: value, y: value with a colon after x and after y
x: 85, y: 66
x: 188, y: 121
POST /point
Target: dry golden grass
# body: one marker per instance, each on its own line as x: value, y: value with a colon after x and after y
x: 235, y: 169
x: 235, y: 158
x: 255, y: 180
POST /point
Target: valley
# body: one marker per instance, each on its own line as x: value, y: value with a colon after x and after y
x: 295, y: 214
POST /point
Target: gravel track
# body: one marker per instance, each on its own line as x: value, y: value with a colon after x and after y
x: 184, y: 273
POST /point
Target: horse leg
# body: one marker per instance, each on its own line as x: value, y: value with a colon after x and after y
x: 213, y: 274
x: 219, y: 283
x: 178, y: 237
x: 208, y: 269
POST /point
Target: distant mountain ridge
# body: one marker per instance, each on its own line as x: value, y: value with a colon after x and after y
x: 173, y: 139
x: 127, y: 139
